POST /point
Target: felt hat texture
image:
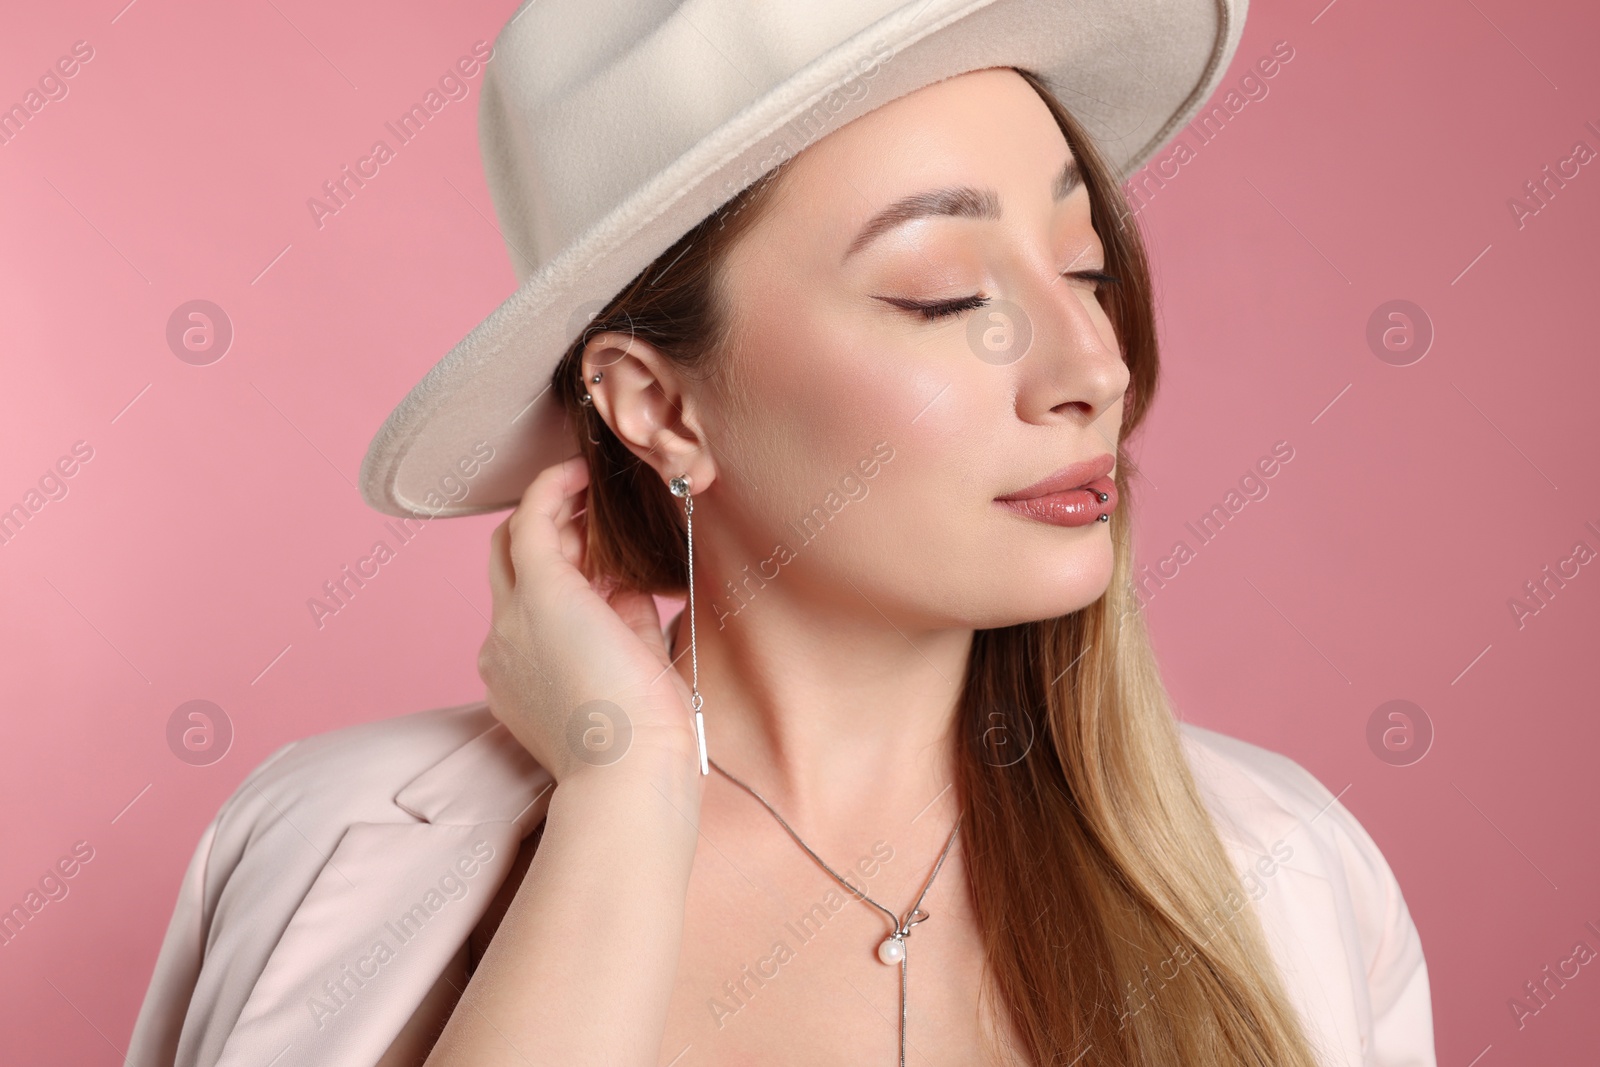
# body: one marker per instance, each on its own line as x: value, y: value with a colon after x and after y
x: 610, y: 128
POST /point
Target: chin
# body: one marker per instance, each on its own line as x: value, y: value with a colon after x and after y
x: 1044, y: 587
x: 1071, y: 578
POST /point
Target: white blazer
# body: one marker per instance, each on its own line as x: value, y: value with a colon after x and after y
x: 331, y: 889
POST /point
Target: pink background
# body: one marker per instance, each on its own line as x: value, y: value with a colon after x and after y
x: 218, y: 498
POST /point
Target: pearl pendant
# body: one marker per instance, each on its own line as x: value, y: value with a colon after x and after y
x: 892, y: 950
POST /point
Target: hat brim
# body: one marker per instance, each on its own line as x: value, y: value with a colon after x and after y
x: 472, y: 434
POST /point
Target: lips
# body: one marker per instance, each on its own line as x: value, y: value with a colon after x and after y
x: 1075, y: 495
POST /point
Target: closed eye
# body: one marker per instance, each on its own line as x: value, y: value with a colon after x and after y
x: 940, y: 310
x: 1099, y: 277
x: 943, y: 309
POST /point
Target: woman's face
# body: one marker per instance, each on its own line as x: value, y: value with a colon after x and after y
x: 886, y: 434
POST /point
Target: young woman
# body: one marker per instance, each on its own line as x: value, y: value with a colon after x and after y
x: 934, y: 807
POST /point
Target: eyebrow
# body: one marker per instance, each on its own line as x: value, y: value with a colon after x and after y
x: 962, y: 201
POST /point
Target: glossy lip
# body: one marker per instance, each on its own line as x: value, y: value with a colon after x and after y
x: 1073, y: 476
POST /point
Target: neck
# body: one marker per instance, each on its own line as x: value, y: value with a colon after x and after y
x: 830, y: 716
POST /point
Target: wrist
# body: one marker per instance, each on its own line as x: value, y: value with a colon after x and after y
x: 638, y: 739
x: 641, y: 773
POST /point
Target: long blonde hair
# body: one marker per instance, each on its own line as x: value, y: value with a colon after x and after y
x: 1097, y: 827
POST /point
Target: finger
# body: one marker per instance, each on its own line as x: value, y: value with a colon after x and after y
x: 532, y: 525
x: 571, y: 529
x: 639, y: 610
x: 502, y: 575
x: 571, y: 507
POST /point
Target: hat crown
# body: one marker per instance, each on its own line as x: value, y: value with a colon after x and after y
x: 585, y: 103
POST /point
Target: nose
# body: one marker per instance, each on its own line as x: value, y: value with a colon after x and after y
x: 1073, y: 369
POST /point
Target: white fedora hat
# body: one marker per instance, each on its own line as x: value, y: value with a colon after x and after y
x: 610, y: 129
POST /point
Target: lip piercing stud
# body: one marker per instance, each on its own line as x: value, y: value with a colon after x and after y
x: 1103, y: 497
x: 1105, y: 517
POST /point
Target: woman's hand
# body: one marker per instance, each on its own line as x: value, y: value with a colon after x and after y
x: 620, y: 835
x: 580, y: 675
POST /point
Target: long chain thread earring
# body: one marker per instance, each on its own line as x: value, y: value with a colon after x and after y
x: 680, y: 488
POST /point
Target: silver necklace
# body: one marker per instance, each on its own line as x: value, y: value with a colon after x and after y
x: 892, y: 949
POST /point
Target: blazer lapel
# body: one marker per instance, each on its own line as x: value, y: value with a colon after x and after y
x: 389, y: 908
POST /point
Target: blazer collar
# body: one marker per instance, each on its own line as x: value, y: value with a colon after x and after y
x: 491, y: 778
x: 386, y: 912
x: 389, y: 908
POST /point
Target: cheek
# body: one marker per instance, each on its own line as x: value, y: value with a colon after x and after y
x: 920, y: 531
x: 831, y: 392
x: 824, y: 392
x: 826, y: 404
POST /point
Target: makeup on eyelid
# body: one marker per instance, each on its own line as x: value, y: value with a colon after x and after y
x: 930, y: 274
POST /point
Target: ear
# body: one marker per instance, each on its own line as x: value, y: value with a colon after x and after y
x: 651, y: 408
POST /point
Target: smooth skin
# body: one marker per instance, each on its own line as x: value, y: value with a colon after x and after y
x: 833, y: 690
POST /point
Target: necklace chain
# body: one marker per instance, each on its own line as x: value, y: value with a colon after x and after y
x: 901, y: 926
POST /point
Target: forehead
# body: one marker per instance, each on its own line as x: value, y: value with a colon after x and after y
x: 985, y: 128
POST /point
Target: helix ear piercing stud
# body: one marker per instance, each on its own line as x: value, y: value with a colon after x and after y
x: 586, y: 400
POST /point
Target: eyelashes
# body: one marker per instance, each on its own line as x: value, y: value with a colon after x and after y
x: 932, y: 312
x: 1099, y: 277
